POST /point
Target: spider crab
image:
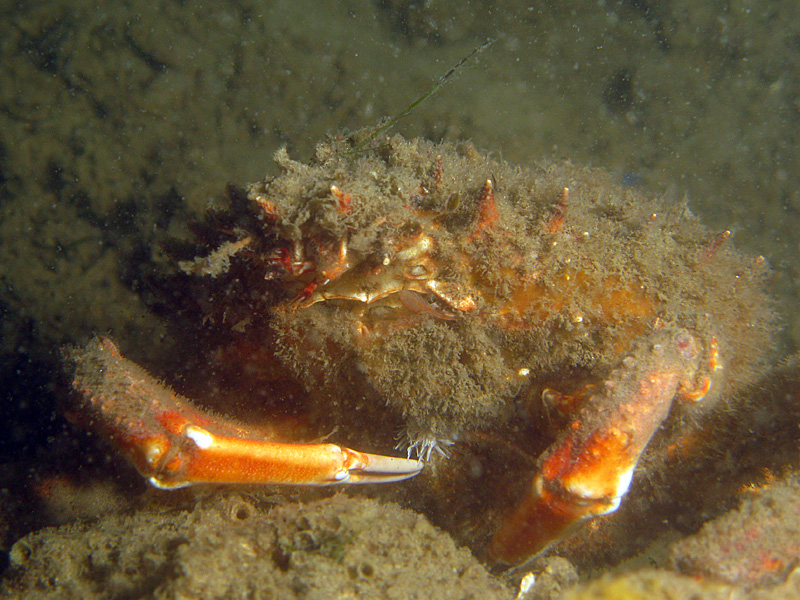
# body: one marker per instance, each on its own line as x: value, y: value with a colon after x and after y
x: 468, y: 301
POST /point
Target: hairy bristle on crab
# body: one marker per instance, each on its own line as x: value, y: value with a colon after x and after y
x: 423, y: 444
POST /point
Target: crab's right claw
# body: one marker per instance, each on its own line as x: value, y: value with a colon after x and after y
x: 174, y: 444
x: 375, y: 468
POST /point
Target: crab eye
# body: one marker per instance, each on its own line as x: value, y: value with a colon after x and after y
x: 416, y: 271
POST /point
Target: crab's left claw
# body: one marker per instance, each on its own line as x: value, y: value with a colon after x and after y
x: 588, y: 471
x: 174, y: 444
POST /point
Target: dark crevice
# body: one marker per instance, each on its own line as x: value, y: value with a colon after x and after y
x: 148, y: 58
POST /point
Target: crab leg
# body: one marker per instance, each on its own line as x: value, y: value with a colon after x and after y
x: 589, y: 470
x: 174, y: 444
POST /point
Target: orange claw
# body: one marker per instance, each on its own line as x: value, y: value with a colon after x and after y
x: 174, y: 444
x: 589, y: 470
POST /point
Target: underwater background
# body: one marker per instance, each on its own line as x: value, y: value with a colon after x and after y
x: 120, y: 123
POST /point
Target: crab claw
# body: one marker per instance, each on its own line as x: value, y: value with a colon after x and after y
x: 173, y: 444
x: 588, y: 471
x: 375, y: 468
x: 198, y: 456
